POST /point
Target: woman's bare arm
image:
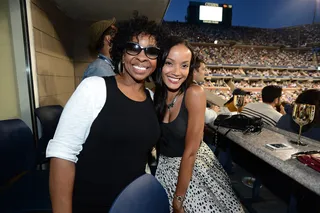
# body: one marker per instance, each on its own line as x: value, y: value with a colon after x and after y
x: 61, y: 182
x: 196, y: 104
x: 71, y: 133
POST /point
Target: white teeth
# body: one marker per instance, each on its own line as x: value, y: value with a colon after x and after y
x: 139, y: 68
x: 174, y: 79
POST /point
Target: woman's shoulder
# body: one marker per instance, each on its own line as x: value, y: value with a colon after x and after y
x: 194, y: 95
x: 195, y: 90
x: 93, y: 83
x: 93, y: 89
x: 93, y: 80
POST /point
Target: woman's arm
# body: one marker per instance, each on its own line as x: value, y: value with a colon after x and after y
x: 72, y: 131
x: 196, y: 104
x: 61, y: 181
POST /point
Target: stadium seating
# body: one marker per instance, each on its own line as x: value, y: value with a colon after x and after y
x: 144, y: 195
x: 23, y: 188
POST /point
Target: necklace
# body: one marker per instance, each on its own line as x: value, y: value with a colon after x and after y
x: 169, y: 106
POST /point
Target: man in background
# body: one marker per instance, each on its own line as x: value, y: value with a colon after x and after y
x: 210, y: 114
x: 198, y: 78
x: 101, y: 34
x: 266, y: 110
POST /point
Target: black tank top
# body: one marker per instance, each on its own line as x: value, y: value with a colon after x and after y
x: 173, y: 134
x: 116, y: 150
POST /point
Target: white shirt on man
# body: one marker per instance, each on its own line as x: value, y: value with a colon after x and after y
x: 269, y: 115
x: 210, y: 116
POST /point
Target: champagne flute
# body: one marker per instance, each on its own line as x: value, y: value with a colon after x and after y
x: 302, y: 114
x: 238, y: 101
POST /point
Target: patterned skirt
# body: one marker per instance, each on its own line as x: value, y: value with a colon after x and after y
x: 209, y: 189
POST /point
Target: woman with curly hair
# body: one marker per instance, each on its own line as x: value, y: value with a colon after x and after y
x: 98, y: 148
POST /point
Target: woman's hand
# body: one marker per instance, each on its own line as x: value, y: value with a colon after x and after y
x: 177, y: 206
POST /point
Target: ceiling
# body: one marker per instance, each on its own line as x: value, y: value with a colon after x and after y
x: 94, y: 10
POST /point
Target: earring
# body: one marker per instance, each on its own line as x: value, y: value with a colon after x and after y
x: 120, y: 67
x: 150, y: 79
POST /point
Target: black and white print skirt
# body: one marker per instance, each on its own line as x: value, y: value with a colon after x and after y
x: 209, y: 189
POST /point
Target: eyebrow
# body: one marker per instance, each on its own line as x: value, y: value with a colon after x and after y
x: 182, y: 62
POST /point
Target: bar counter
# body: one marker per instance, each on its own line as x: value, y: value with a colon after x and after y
x: 281, y: 160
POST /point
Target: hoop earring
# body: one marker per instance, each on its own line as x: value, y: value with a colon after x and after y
x: 120, y: 67
x: 150, y: 79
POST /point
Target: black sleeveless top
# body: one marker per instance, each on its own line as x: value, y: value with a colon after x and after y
x: 173, y: 134
x: 116, y: 150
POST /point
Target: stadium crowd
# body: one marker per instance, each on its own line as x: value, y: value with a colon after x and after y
x: 253, y: 56
x: 298, y: 36
x: 261, y: 72
x: 221, y: 88
x: 255, y: 96
x: 256, y: 55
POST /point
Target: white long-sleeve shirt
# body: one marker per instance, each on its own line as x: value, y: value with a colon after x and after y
x: 76, y: 119
x: 78, y: 115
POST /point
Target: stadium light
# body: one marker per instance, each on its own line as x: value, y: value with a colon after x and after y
x: 215, y: 42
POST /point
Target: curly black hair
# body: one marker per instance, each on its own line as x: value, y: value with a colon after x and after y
x: 129, y: 29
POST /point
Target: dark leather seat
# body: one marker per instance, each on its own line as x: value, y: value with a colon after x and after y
x: 22, y: 188
x: 17, y: 149
x: 49, y: 118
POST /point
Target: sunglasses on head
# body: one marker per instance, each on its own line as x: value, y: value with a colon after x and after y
x: 133, y: 49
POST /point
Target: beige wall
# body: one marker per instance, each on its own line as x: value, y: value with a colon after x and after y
x: 61, y: 52
x: 81, y: 54
x: 9, y: 103
x: 53, y: 53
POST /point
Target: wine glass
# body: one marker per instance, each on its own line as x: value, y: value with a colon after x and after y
x: 302, y: 114
x: 238, y: 101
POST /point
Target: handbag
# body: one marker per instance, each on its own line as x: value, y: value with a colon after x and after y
x: 239, y: 122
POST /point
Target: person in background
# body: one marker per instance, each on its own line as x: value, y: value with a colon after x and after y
x: 187, y: 169
x: 224, y: 152
x: 271, y: 98
x: 311, y: 130
x: 283, y: 108
x: 98, y: 148
x: 101, y: 35
x: 198, y: 78
x: 199, y: 70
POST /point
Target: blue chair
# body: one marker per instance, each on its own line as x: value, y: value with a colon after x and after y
x: 23, y: 189
x: 49, y: 118
x: 17, y: 149
x: 144, y: 195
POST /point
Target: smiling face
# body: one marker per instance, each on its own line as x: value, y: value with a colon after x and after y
x: 139, y: 67
x: 176, y: 67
